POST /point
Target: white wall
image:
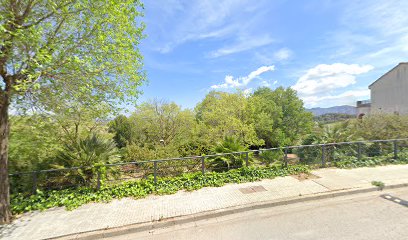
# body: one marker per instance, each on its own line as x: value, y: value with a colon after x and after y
x: 363, y: 110
x: 390, y: 93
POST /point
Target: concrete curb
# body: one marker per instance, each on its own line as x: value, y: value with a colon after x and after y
x: 178, y: 220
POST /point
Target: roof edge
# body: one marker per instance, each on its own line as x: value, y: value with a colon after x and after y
x: 369, y: 86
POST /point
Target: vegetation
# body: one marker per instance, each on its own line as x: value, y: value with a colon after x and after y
x: 354, y: 162
x: 65, y: 90
x: 226, y: 162
x: 73, y: 198
x: 57, y: 55
x: 378, y: 184
x: 333, y: 117
x: 280, y: 118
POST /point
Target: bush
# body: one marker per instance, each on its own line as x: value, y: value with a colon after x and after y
x: 226, y: 162
x: 354, y: 162
x: 89, y: 153
x: 73, y: 198
x: 271, y: 156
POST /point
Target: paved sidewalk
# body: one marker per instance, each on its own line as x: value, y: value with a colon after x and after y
x: 96, y: 216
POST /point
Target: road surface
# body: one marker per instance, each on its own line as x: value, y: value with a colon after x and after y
x: 365, y: 216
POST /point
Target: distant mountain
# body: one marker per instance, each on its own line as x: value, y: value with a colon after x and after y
x: 336, y: 109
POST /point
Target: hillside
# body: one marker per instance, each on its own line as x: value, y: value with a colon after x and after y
x: 346, y: 109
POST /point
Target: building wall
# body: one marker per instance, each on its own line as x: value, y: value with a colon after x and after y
x: 390, y: 93
x: 363, y: 110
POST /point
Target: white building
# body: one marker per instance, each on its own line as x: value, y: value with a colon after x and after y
x: 389, y: 93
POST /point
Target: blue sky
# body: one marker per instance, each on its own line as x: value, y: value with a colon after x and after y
x: 329, y: 51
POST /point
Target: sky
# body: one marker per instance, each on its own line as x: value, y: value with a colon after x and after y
x: 328, y: 51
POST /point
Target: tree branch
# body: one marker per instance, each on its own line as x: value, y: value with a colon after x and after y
x: 48, y: 15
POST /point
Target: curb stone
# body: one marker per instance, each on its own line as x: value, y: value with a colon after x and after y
x: 179, y: 220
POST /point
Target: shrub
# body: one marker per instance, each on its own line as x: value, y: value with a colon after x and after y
x: 225, y: 162
x: 90, y: 153
x: 271, y: 156
x: 354, y: 162
x: 73, y: 198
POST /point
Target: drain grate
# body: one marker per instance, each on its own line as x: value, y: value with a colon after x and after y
x: 252, y: 189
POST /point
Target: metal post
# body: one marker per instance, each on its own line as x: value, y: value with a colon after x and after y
x: 247, y: 159
x: 286, y: 157
x: 359, y: 151
x: 155, y: 171
x: 35, y: 177
x: 323, y: 157
x: 232, y: 160
x: 98, y: 183
x: 395, y: 150
x: 203, y: 165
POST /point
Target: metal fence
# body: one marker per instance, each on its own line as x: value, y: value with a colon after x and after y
x: 315, y: 155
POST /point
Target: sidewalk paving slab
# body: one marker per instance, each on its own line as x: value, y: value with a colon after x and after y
x: 118, y: 213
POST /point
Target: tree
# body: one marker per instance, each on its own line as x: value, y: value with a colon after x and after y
x: 54, y: 53
x: 33, y: 140
x: 334, y: 117
x: 226, y: 162
x: 160, y: 123
x: 280, y: 116
x: 266, y: 115
x: 381, y: 126
x: 86, y: 153
x: 222, y: 115
x: 122, y: 129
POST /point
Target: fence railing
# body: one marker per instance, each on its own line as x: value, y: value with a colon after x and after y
x: 318, y: 155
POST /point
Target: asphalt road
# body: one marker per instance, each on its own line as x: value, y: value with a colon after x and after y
x: 365, y: 216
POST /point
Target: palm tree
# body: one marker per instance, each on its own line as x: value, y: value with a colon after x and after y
x: 225, y: 162
x: 85, y: 153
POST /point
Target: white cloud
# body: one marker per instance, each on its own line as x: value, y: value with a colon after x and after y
x: 266, y: 83
x: 322, y: 84
x: 375, y: 33
x: 283, y: 54
x: 200, y: 19
x: 345, y: 98
x: 324, y: 78
x: 231, y: 82
x: 270, y: 57
x: 247, y: 92
x: 242, y: 44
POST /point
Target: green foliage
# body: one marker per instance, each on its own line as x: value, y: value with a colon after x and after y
x: 91, y: 153
x: 122, y: 129
x: 73, y: 198
x: 86, y: 152
x: 224, y: 163
x: 157, y: 129
x: 161, y: 123
x: 333, y: 117
x: 135, y: 153
x: 279, y: 116
x: 382, y: 126
x: 271, y: 156
x: 337, y: 132
x: 309, y: 155
x: 354, y: 162
x: 222, y: 115
x: 378, y: 184
x: 98, y: 64
x: 34, y: 140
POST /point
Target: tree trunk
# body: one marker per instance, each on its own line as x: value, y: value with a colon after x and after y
x: 5, y: 214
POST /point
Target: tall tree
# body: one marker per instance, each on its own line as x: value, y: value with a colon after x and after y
x: 161, y: 123
x: 122, y: 129
x: 223, y: 115
x: 280, y: 116
x: 56, y: 52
